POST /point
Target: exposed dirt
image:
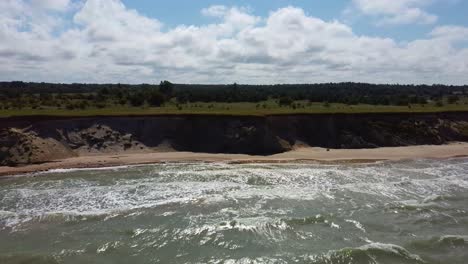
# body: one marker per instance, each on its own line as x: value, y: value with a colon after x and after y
x: 26, y: 140
x: 19, y: 146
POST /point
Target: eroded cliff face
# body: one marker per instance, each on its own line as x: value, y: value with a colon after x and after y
x: 354, y: 131
x: 41, y: 139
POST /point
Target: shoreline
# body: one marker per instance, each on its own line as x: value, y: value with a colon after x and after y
x: 306, y: 154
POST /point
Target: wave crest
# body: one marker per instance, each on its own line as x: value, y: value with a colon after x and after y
x: 375, y: 253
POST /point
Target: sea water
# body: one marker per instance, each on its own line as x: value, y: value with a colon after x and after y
x: 387, y: 212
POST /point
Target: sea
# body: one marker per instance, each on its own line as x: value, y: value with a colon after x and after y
x: 411, y: 212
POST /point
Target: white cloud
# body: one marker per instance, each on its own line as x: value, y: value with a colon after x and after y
x: 107, y: 42
x: 215, y: 11
x: 450, y: 32
x: 234, y: 18
x: 109, y: 20
x: 396, y: 11
x: 56, y: 5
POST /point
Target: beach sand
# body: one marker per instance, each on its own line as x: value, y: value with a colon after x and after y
x: 307, y: 154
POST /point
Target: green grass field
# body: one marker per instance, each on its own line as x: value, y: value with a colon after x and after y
x: 253, y: 109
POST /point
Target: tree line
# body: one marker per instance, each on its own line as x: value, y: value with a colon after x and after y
x: 28, y: 94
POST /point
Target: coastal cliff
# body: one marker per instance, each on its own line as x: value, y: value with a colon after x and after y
x: 26, y: 140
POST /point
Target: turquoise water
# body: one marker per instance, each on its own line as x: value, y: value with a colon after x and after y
x: 389, y: 212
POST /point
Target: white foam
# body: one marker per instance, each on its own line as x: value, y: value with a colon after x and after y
x: 356, y: 224
x: 87, y: 169
x: 219, y: 182
x: 395, y: 249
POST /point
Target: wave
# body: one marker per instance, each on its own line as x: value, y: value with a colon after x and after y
x: 70, y: 170
x: 376, y: 253
x: 28, y: 259
x: 318, y: 219
x: 178, y: 183
x: 87, y: 169
x: 441, y: 243
x: 357, y: 224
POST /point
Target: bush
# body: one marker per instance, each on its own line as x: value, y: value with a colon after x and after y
x: 285, y: 101
x: 83, y: 105
x: 137, y: 99
x: 453, y: 99
x: 155, y: 98
x: 100, y: 105
x: 70, y: 106
x: 122, y: 101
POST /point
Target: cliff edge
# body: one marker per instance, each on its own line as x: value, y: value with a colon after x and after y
x: 26, y: 140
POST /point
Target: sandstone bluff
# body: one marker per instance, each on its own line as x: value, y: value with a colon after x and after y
x: 27, y: 140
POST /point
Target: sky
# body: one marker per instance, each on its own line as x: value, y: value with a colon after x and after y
x: 224, y: 41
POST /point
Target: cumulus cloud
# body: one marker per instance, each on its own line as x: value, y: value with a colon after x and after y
x: 108, y: 42
x: 396, y: 11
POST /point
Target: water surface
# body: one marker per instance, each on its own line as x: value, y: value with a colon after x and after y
x: 389, y: 212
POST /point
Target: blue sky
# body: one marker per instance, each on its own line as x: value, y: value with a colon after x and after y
x: 275, y: 41
x: 176, y: 12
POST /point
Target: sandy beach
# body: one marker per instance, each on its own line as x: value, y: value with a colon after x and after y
x: 302, y: 154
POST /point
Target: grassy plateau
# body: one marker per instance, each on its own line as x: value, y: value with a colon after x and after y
x: 253, y: 109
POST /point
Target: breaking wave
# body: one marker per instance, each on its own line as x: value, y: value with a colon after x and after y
x: 240, y: 213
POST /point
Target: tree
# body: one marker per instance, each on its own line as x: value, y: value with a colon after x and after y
x: 137, y: 99
x: 155, y: 98
x: 166, y: 88
x: 102, y: 94
x: 234, y: 95
x: 83, y: 105
x: 453, y: 99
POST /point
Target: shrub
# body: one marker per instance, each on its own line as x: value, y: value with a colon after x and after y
x: 285, y: 101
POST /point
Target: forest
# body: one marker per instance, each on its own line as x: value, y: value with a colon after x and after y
x: 19, y: 95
